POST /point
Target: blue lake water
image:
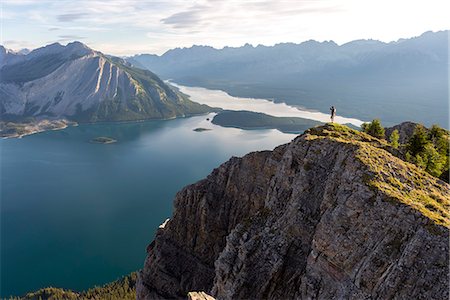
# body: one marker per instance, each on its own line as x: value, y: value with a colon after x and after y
x: 76, y: 214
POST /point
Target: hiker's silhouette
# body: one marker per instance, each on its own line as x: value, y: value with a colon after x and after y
x: 333, y: 113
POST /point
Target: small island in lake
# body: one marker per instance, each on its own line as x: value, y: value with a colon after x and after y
x: 103, y: 140
x: 200, y: 129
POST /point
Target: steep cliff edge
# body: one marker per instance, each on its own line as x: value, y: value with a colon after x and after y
x: 333, y: 214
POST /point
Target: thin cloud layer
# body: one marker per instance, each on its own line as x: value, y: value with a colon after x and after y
x: 71, y: 17
x: 70, y: 37
x: 123, y: 27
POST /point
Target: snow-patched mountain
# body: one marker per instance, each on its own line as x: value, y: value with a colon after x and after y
x: 81, y: 84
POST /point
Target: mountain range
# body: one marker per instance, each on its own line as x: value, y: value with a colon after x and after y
x: 365, y: 79
x: 84, y: 85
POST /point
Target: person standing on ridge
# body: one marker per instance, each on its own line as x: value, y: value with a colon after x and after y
x: 333, y: 113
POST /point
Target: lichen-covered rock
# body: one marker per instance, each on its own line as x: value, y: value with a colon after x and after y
x: 331, y: 215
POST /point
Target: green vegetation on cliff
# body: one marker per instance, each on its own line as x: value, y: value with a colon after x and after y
x: 122, y: 289
x: 426, y: 148
x: 390, y: 174
x: 374, y: 128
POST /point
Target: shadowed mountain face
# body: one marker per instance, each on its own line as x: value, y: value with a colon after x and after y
x: 365, y: 79
x: 334, y: 214
x: 81, y: 84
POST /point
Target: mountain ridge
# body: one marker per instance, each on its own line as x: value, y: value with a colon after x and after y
x: 247, y: 45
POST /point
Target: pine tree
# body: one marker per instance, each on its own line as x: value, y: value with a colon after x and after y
x: 374, y: 129
x: 420, y: 161
x: 418, y: 140
x: 434, y: 161
x: 394, y: 139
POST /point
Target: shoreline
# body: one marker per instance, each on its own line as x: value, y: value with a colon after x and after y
x: 32, y: 127
x: 261, y: 105
x: 39, y: 127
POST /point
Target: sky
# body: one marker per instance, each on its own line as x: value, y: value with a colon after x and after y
x: 127, y: 27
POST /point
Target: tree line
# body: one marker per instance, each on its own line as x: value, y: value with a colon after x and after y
x: 427, y: 148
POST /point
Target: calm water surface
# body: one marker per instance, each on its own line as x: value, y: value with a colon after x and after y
x: 75, y: 214
x: 218, y: 98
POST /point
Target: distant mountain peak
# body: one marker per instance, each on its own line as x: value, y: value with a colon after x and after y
x: 77, y: 45
x: 74, y: 48
x: 24, y: 51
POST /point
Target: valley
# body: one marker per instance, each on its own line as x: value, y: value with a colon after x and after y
x: 406, y: 79
x: 208, y: 171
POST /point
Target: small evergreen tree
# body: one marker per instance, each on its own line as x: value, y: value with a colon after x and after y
x: 394, y: 139
x: 438, y: 137
x: 418, y: 140
x: 408, y: 157
x: 420, y: 161
x: 434, y: 161
x: 430, y: 150
x: 374, y: 129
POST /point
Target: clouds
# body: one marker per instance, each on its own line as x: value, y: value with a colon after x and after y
x: 233, y: 13
x: 71, y: 17
x: 17, y: 44
x: 186, y: 19
x: 122, y: 27
x: 69, y: 37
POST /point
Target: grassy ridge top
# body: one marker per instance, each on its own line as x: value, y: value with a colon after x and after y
x: 389, y: 174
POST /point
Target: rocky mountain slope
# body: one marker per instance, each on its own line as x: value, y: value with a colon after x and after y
x: 332, y: 215
x: 80, y: 84
x: 405, y: 131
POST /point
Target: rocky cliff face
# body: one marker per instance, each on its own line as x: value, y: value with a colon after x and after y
x: 333, y: 214
x: 81, y: 84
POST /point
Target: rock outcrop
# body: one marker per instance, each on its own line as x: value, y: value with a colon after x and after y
x: 405, y: 131
x: 331, y: 215
x: 199, y: 296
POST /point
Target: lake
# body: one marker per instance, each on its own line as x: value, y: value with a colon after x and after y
x: 218, y: 98
x: 76, y: 214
